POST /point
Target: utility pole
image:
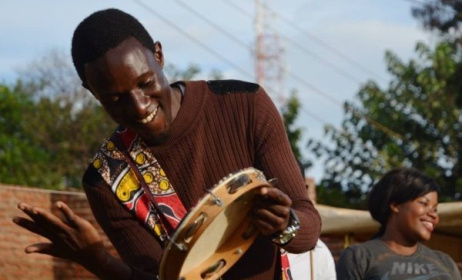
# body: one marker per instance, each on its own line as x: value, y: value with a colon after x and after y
x: 269, y: 70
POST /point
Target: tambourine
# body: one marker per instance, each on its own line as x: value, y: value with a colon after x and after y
x: 216, y: 233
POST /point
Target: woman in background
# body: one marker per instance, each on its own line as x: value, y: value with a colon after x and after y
x: 404, y: 202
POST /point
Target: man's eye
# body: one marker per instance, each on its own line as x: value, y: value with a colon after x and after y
x: 145, y: 84
x: 111, y: 99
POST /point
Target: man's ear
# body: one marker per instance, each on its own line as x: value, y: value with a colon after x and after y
x: 394, y: 207
x: 158, y: 54
x: 85, y: 85
x: 88, y: 88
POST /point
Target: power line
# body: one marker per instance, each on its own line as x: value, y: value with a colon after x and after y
x: 320, y: 92
x: 306, y: 84
x: 302, y: 48
x: 211, y: 23
x: 177, y: 28
x: 331, y: 99
x: 235, y: 39
x: 335, y: 68
x: 327, y: 46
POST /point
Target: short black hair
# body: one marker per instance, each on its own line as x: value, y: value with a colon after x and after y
x: 398, y: 186
x: 104, y: 30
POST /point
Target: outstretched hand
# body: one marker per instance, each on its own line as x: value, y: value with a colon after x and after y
x: 71, y: 236
x: 271, y: 211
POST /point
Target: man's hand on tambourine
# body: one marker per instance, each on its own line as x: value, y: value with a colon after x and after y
x: 271, y: 211
x: 72, y: 237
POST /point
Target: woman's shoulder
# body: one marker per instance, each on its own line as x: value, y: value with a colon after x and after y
x: 372, y: 244
x: 444, y: 259
x: 364, y: 250
x: 427, y: 251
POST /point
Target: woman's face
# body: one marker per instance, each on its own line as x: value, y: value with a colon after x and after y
x: 417, y: 219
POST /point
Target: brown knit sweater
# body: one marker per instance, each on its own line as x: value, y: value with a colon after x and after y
x: 222, y: 127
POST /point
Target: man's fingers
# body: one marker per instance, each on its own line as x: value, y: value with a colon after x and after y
x: 271, y: 211
x: 31, y: 226
x: 275, y: 196
x: 44, y: 219
x: 40, y: 248
x: 45, y: 224
x: 268, y: 211
x: 70, y: 216
x: 268, y: 219
x: 264, y: 227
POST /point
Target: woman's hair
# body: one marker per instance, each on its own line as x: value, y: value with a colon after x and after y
x: 398, y: 186
x: 104, y: 30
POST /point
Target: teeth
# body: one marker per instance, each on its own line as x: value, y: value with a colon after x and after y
x: 148, y: 118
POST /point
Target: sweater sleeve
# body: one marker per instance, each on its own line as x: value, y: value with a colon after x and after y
x: 275, y: 158
x: 137, y: 247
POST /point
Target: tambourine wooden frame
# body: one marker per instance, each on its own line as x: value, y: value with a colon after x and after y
x: 235, y: 193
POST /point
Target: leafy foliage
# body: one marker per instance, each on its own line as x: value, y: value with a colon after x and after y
x: 174, y: 74
x: 414, y: 122
x: 55, y: 126
x: 444, y: 16
x: 22, y: 161
x: 290, y: 112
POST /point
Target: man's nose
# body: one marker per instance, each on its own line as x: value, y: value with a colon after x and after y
x: 139, y: 100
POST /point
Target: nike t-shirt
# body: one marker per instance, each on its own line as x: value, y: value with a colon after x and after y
x: 373, y: 260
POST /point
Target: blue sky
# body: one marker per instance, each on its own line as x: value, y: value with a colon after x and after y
x: 312, y: 35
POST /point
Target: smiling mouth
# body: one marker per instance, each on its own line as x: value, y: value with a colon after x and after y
x: 428, y: 225
x: 150, y: 117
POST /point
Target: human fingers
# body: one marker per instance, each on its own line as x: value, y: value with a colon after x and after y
x: 30, y: 226
x: 41, y: 248
x: 70, y: 217
x: 273, y: 200
x: 274, y: 196
x: 44, y: 219
x: 87, y: 233
x: 45, y: 249
x: 271, y: 219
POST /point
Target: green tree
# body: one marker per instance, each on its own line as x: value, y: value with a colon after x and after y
x: 414, y: 122
x: 174, y: 74
x: 289, y: 112
x: 63, y: 122
x: 444, y: 16
x: 22, y: 161
x: 192, y: 71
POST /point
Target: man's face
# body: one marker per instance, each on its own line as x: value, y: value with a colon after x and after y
x: 130, y: 85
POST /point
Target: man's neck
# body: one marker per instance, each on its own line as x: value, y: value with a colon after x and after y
x: 177, y: 98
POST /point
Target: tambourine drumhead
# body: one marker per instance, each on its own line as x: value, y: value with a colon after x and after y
x: 216, y: 233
